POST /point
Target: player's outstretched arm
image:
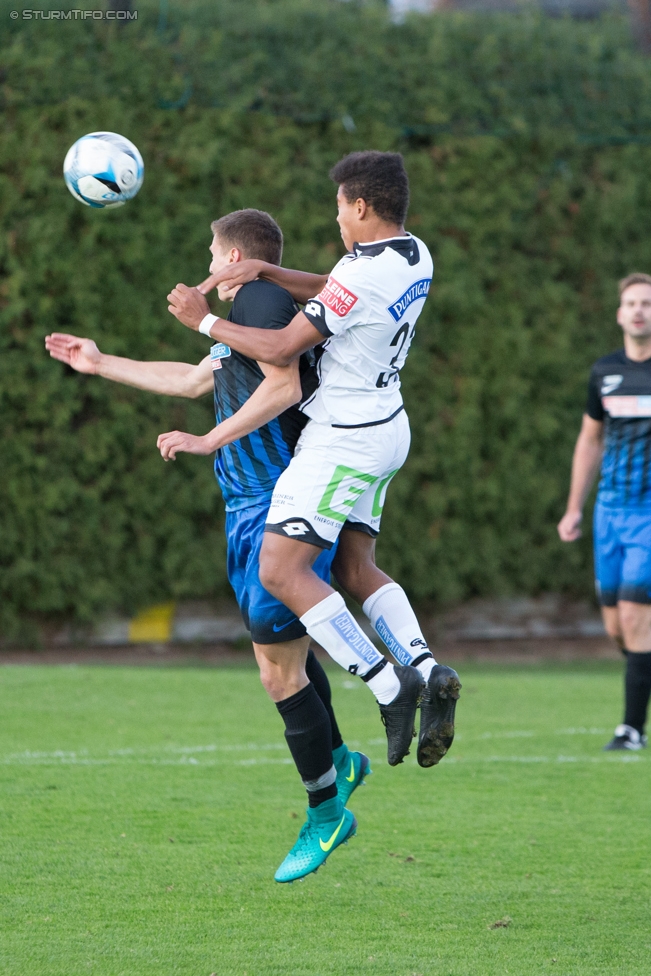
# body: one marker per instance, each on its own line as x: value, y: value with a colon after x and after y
x: 280, y: 389
x: 277, y: 347
x: 585, y: 465
x: 172, y: 379
x: 300, y: 284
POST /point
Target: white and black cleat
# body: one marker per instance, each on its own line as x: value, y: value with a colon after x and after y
x: 626, y: 737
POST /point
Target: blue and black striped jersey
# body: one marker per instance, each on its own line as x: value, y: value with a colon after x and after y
x: 619, y: 395
x: 248, y: 469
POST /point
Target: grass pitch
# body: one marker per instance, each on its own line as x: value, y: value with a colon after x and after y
x: 144, y: 811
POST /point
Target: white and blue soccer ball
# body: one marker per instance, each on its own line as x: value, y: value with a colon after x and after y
x: 103, y: 169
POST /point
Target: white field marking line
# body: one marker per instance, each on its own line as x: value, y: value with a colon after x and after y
x: 62, y: 761
x: 506, y: 735
x: 528, y: 734
x: 57, y: 754
x: 133, y: 761
x: 138, y: 754
x: 377, y: 761
x: 243, y: 746
x: 143, y: 756
x: 263, y: 762
x: 162, y: 754
x: 625, y: 758
x: 581, y: 731
x: 136, y: 757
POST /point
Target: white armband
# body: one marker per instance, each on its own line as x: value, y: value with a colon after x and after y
x: 207, y: 323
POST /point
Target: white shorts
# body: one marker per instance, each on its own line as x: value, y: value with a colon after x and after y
x: 338, y: 476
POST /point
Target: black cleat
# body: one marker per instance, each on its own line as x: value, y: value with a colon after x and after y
x: 399, y: 716
x: 437, y: 715
x: 626, y: 737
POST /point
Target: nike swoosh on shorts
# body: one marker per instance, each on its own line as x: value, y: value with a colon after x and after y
x: 278, y: 629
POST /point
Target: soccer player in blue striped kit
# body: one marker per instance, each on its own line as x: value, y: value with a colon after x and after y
x: 258, y: 424
x: 616, y: 436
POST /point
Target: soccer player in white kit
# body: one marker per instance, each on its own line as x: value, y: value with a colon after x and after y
x: 362, y: 318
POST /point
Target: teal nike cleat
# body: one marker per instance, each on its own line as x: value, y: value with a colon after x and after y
x: 351, y: 772
x: 318, y: 838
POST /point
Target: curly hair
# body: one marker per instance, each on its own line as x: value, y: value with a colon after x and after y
x: 379, y: 178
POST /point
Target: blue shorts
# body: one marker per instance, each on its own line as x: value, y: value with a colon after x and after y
x: 622, y: 554
x: 269, y: 621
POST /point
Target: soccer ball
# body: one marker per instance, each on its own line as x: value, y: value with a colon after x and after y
x: 103, y: 169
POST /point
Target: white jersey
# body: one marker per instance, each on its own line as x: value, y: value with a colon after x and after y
x: 368, y: 311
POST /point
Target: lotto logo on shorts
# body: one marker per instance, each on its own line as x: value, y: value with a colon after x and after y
x: 338, y: 299
x: 295, y: 528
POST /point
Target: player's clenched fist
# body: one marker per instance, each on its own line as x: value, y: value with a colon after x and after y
x: 188, y: 305
x: 82, y: 354
x: 176, y: 441
x: 569, y: 527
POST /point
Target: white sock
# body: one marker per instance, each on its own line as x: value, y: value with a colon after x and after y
x: 334, y: 627
x: 385, y: 685
x: 392, y: 616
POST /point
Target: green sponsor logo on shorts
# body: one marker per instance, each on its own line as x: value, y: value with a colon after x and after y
x: 378, y: 501
x: 348, y: 485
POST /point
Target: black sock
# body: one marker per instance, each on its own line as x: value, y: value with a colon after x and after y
x: 307, y: 730
x: 319, y: 679
x: 637, y: 685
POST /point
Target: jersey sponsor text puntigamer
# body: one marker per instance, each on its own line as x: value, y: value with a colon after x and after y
x: 367, y: 311
x: 619, y: 395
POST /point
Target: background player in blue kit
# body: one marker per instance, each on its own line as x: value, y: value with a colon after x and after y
x: 616, y: 435
x: 258, y: 425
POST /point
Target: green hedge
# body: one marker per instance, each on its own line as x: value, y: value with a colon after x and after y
x: 527, y: 142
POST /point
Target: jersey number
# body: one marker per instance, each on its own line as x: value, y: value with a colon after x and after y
x: 402, y: 337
